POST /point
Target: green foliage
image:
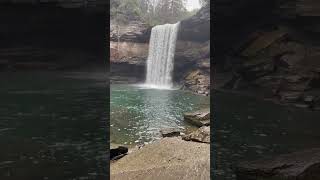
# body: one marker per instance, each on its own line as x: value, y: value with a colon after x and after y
x: 204, y: 2
x: 124, y: 11
x: 152, y: 12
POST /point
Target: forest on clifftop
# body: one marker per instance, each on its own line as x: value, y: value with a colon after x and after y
x: 151, y: 12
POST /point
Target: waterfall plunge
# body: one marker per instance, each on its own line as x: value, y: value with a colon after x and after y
x: 161, y: 55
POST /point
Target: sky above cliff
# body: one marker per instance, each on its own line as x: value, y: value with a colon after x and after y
x: 193, y: 4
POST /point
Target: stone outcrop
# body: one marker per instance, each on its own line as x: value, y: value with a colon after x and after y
x: 198, y: 81
x: 198, y: 118
x: 192, y: 66
x: 274, y: 53
x: 197, y: 27
x: 192, y: 58
x: 119, y: 73
x: 120, y: 51
x: 128, y: 52
x: 170, y: 132
x: 134, y: 31
x: 303, y: 165
x: 200, y: 135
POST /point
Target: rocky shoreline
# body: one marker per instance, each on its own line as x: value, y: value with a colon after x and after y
x: 175, y: 155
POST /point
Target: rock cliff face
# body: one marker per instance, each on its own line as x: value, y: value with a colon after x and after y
x: 192, y: 57
x: 135, y: 31
x: 192, y: 66
x: 128, y: 52
x: 273, y: 54
x: 122, y: 50
x: 192, y: 60
x: 197, y: 27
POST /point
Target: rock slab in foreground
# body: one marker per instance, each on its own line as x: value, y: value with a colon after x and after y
x: 200, y: 135
x: 198, y: 118
x: 168, y: 159
x: 304, y: 165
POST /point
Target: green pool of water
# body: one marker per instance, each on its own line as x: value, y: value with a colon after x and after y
x: 137, y: 114
x: 53, y: 125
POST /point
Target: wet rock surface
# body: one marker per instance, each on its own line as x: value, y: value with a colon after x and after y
x: 170, y: 132
x: 120, y: 73
x: 303, y: 165
x: 198, y: 118
x: 198, y: 81
x: 192, y: 66
x: 200, y: 135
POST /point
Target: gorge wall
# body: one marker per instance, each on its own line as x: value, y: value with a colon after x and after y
x: 192, y: 56
x: 269, y: 49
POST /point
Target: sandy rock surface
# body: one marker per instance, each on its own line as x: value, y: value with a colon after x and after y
x: 168, y: 158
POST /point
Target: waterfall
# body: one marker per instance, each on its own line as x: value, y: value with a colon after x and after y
x: 161, y: 55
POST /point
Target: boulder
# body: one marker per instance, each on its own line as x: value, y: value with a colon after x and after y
x: 200, y: 135
x: 198, y: 81
x: 193, y: 75
x: 170, y: 132
x: 303, y: 165
x: 198, y: 118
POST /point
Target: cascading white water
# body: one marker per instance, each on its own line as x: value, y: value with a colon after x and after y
x: 161, y: 55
